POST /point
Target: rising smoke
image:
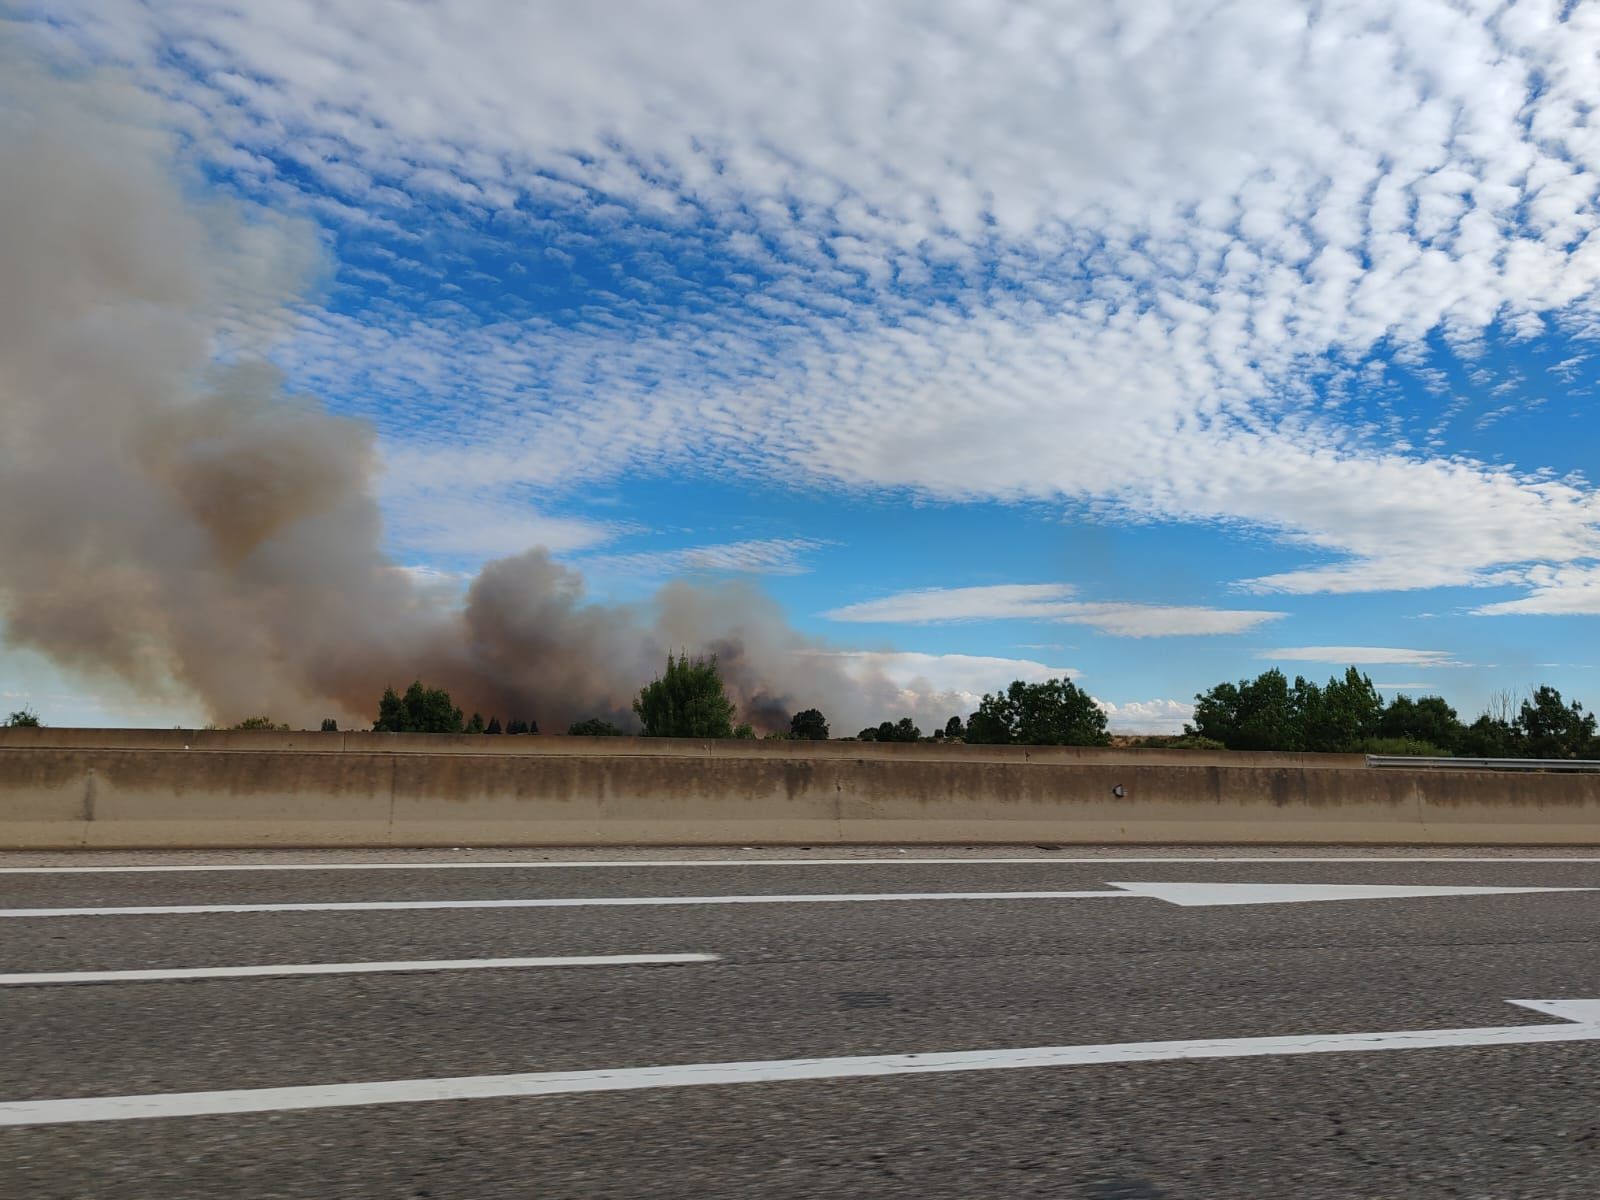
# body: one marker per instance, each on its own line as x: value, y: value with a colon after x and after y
x: 171, y: 516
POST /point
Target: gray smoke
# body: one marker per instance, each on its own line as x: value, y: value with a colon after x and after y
x: 171, y: 516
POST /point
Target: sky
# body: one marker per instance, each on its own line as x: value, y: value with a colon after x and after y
x: 1146, y: 343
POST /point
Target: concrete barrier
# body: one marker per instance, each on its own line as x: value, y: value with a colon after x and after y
x: 177, y: 789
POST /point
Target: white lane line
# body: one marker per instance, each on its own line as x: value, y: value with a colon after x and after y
x: 1186, y: 895
x: 354, y: 968
x: 153, y: 910
x: 1583, y: 1017
x: 514, y: 865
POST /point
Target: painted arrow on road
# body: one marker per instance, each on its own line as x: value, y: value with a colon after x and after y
x: 1206, y: 895
x: 1581, y: 1023
x: 1186, y: 895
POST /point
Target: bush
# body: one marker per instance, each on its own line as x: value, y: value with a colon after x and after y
x: 23, y: 719
x: 1185, y: 741
x: 1423, y: 719
x: 594, y: 727
x: 1492, y: 737
x: 1414, y: 747
x: 260, y: 723
x: 687, y: 701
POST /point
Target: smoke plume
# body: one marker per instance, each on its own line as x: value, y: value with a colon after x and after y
x: 171, y: 516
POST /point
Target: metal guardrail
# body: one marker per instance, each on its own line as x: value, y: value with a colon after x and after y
x: 1485, y: 764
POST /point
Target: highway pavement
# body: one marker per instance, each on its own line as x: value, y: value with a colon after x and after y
x: 1029, y: 1022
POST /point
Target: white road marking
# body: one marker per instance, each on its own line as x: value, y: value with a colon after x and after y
x: 1202, y: 895
x: 1582, y: 1019
x: 354, y: 968
x: 155, y: 910
x: 1183, y: 894
x: 516, y: 865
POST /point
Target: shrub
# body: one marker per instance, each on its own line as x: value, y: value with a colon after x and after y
x: 594, y: 727
x: 1414, y: 747
x: 260, y: 723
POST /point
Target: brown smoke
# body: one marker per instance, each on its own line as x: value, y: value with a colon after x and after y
x: 169, y: 515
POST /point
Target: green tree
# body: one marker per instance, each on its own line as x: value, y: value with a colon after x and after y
x: 1551, y: 728
x: 903, y: 730
x: 1492, y: 736
x: 1428, y: 719
x: 493, y: 726
x: 1054, y: 713
x: 23, y: 718
x: 1258, y: 714
x: 688, y: 700
x: 391, y: 713
x: 420, y: 710
x: 594, y: 727
x: 954, y: 729
x: 869, y: 734
x: 475, y: 725
x: 329, y: 725
x: 809, y: 725
x: 1336, y: 719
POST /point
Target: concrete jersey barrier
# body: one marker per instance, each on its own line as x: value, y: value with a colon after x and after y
x: 201, y: 789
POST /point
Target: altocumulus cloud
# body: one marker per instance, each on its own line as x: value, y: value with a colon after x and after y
x: 1111, y: 252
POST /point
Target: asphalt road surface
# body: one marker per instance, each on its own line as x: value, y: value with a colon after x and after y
x: 1103, y: 1038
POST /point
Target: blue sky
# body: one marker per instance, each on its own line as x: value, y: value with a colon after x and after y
x: 1158, y: 343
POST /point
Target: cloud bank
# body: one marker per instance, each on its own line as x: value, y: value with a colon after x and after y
x: 1131, y: 254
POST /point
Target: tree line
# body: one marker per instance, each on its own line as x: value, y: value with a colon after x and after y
x: 1347, y: 715
x: 690, y: 700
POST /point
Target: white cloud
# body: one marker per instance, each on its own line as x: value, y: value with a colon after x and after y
x: 928, y: 605
x: 1048, y: 602
x: 1147, y: 716
x: 1570, y: 590
x: 1148, y: 227
x: 485, y: 526
x: 769, y: 556
x: 933, y: 684
x: 1361, y: 656
x: 948, y: 684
